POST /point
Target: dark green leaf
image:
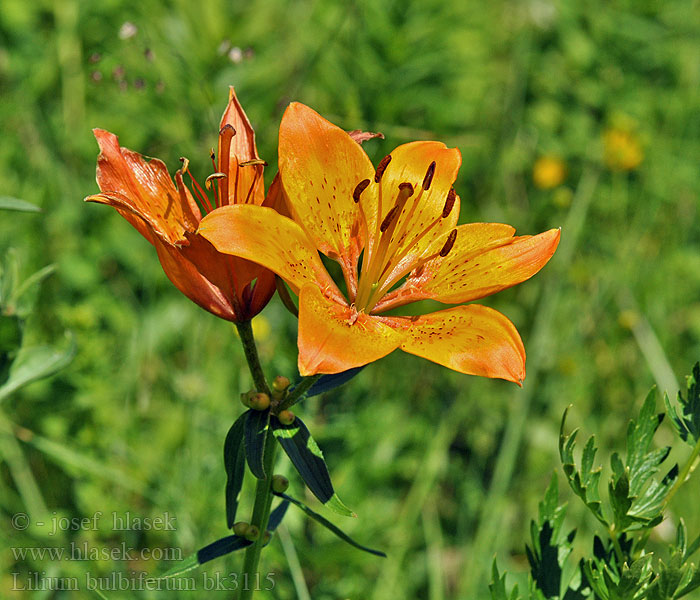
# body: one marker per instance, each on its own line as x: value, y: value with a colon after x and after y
x: 328, y: 525
x: 308, y: 460
x: 257, y: 425
x: 234, y: 463
x: 214, y: 550
x: 9, y: 203
x: 687, y: 423
x: 277, y: 515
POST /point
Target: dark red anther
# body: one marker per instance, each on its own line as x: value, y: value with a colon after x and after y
x: 449, y: 203
x: 428, y: 179
x: 359, y: 188
x: 381, y: 167
x: 406, y: 187
x: 449, y: 243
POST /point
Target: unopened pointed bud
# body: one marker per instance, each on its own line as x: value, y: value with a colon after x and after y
x: 241, y: 528
x: 449, y: 243
x: 279, y: 484
x: 359, y: 188
x: 381, y: 167
x: 449, y: 203
x: 259, y: 401
x: 428, y: 179
x: 286, y: 417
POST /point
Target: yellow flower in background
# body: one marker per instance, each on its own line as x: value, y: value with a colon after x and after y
x: 622, y: 149
x: 548, y: 172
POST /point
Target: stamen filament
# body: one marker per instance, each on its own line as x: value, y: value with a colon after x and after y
x: 225, y: 136
x: 198, y: 191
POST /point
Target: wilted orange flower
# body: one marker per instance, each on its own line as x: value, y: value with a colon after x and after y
x: 548, y: 172
x: 394, y: 233
x: 168, y: 215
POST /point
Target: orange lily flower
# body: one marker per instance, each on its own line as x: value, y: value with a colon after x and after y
x: 168, y: 215
x: 394, y: 232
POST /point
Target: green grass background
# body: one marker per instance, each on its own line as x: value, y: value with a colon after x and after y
x: 444, y: 470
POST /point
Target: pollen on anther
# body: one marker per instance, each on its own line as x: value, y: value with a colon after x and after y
x: 227, y: 129
x: 449, y: 243
x: 381, y: 167
x: 449, y: 203
x: 428, y: 179
x: 407, y: 187
x: 359, y: 188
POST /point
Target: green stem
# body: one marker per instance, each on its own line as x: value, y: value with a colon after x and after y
x: 245, y: 330
x: 298, y: 392
x: 684, y: 474
x: 250, y: 578
x: 616, y: 545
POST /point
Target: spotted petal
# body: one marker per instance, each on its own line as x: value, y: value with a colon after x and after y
x: 320, y: 166
x: 263, y: 236
x: 471, y: 339
x: 333, y: 337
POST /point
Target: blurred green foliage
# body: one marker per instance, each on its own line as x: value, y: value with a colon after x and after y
x: 443, y: 470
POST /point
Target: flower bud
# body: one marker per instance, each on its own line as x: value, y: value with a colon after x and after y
x: 280, y: 383
x: 259, y: 401
x: 245, y: 398
x: 286, y: 417
x: 279, y: 484
x: 253, y: 533
x: 241, y: 528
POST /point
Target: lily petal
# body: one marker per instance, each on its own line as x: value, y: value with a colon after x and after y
x: 183, y: 266
x: 468, y: 274
x: 471, y: 339
x: 142, y: 190
x: 333, y: 337
x: 320, y: 166
x: 471, y: 238
x: 263, y: 236
x: 245, y: 183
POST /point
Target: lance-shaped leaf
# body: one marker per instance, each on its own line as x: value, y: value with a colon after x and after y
x: 328, y: 525
x: 326, y: 383
x: 221, y: 547
x: 36, y: 363
x: 225, y: 545
x: 257, y: 425
x: 308, y: 460
x: 234, y: 463
x: 9, y: 203
x: 277, y: 515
